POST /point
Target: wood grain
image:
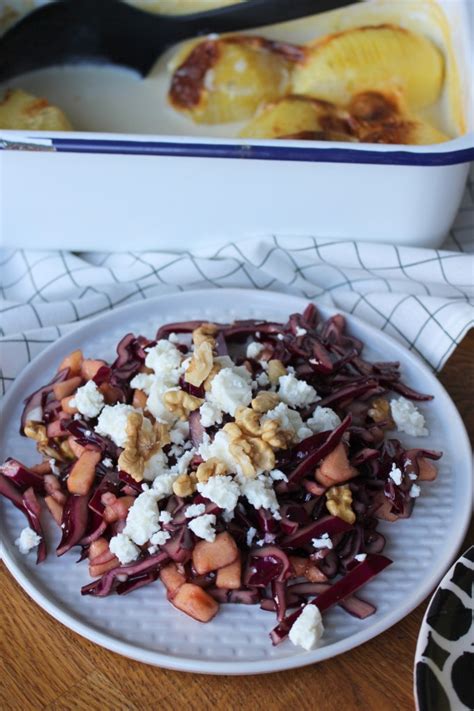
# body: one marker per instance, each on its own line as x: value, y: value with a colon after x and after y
x: 43, y: 665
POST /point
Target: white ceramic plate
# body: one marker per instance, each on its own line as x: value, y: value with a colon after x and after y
x: 143, y: 625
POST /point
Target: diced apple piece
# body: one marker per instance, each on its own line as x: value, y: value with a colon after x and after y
x: 76, y: 448
x: 55, y: 429
x: 305, y: 568
x: 118, y: 510
x: 111, y: 395
x: 97, y: 547
x: 335, y: 468
x: 427, y: 470
x: 67, y: 407
x: 172, y: 579
x: 55, y: 509
x: 211, y: 556
x: 73, y: 361
x: 82, y: 473
x: 195, y: 602
x: 99, y: 569
x: 383, y: 507
x: 139, y: 399
x: 230, y: 576
x: 42, y: 468
x: 90, y: 367
x: 67, y: 387
x: 53, y: 488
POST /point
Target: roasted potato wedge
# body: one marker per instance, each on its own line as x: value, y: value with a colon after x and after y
x: 300, y: 117
x: 225, y: 80
x: 383, y: 58
x: 22, y: 111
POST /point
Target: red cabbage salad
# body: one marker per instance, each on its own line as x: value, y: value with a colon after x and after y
x: 245, y: 463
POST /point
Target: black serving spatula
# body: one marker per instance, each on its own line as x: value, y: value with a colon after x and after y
x: 112, y: 31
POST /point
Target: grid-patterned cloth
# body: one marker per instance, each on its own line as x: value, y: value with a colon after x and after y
x: 422, y: 297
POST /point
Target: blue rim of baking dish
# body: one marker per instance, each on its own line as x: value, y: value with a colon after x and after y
x: 242, y: 151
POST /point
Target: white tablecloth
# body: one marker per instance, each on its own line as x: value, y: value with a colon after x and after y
x: 422, y: 297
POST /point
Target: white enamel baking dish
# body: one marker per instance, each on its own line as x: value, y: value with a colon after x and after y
x: 122, y: 191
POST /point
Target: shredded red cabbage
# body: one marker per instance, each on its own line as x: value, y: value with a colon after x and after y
x: 282, y: 561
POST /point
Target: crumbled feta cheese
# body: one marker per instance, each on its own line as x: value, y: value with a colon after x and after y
x: 408, y: 418
x: 251, y: 533
x: 360, y: 557
x: 254, y: 349
x: 415, y: 491
x: 152, y: 550
x: 145, y: 487
x: 54, y: 467
x: 261, y: 542
x: 412, y: 476
x: 259, y: 493
x: 308, y: 628
x: 165, y: 517
x: 396, y: 475
x: 203, y: 527
x: 163, y: 485
x: 156, y: 465
x: 180, y: 432
x: 143, y: 381
x: 112, y: 422
x: 263, y: 364
x: 155, y: 403
x: 301, y: 331
x: 219, y: 447
x: 224, y: 361
x: 176, y: 451
x: 210, y: 414
x: 163, y: 358
x: 222, y: 490
x: 263, y: 380
x: 159, y: 538
x: 173, y: 338
x: 195, y: 510
x: 296, y: 393
x: 280, y: 336
x: 323, y: 542
x: 142, y: 518
x: 122, y: 547
x: 277, y: 475
x: 77, y: 416
x: 27, y: 540
x: 181, y: 466
x: 289, y: 420
x: 88, y: 400
x: 107, y: 462
x: 323, y: 419
x: 230, y: 388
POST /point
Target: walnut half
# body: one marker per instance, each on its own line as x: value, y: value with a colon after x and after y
x: 212, y: 467
x: 143, y: 441
x: 339, y: 503
x: 185, y: 485
x: 37, y: 431
x: 181, y: 403
x: 201, y: 364
x: 205, y: 334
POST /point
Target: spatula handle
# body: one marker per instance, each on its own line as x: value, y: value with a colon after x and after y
x: 112, y: 31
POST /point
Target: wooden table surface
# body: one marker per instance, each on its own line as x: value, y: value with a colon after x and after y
x: 43, y: 665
